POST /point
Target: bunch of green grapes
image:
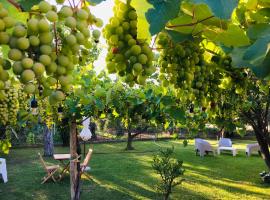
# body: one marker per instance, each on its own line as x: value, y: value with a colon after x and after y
x: 47, y: 48
x: 182, y: 65
x: 6, y: 23
x: 127, y: 56
x: 23, y: 100
x: 9, y: 106
x: 232, y: 78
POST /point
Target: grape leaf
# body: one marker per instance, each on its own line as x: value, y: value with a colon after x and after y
x: 179, y: 37
x: 15, y: 13
x: 176, y: 113
x: 95, y: 2
x: 27, y: 5
x: 234, y: 36
x: 258, y: 30
x: 256, y: 53
x: 221, y: 8
x: 261, y: 70
x: 153, y: 15
x: 143, y: 26
x: 161, y: 13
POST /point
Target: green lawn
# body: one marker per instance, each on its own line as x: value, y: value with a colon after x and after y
x: 120, y: 175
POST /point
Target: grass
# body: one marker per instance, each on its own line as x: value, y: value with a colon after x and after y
x: 120, y: 175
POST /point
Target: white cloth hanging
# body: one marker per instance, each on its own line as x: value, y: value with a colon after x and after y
x: 86, y: 133
x: 3, y: 169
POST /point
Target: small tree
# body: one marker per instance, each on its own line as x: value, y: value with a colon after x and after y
x: 170, y: 171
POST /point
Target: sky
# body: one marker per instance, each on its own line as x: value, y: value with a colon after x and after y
x: 104, y: 11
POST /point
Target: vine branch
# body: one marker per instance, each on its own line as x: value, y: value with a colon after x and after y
x: 191, y: 24
x: 16, y: 5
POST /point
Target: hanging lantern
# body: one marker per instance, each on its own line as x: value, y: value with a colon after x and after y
x: 85, y: 133
x: 34, y: 106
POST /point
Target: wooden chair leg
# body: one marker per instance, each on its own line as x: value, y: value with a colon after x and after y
x: 87, y: 175
x: 50, y: 175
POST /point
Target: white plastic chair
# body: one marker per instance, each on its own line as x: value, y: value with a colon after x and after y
x: 252, y: 148
x: 225, y: 142
x: 202, y: 146
x: 3, y: 169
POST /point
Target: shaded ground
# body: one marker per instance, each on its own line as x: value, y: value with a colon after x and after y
x: 118, y: 175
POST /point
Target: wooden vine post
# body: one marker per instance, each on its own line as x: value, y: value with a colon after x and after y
x: 74, y: 164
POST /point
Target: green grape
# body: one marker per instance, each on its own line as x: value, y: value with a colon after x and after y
x: 80, y: 38
x: 3, y: 13
x: 138, y: 67
x: 2, y: 25
x: 141, y: 79
x: 38, y: 69
x: 9, y: 22
x: 51, y: 81
x: 46, y: 49
x: 86, y: 32
x: 51, y: 68
x: 17, y: 67
x: 2, y: 85
x: 131, y: 42
x: 4, y: 76
x: 96, y: 34
x: 29, y: 88
x: 52, y: 16
x: 43, y: 26
x: 19, y: 31
x: 82, y: 14
x: 66, y: 12
x: 99, y: 23
x: 45, y: 60
x: 15, y: 54
x: 81, y: 25
x: 132, y: 15
x: 70, y: 22
x: 142, y: 58
x: 23, y: 43
x: 27, y: 76
x: 4, y: 38
x: 27, y: 63
x: 61, y: 70
x: 44, y: 6
x: 45, y: 38
x: 71, y: 40
x: 32, y: 25
x: 135, y: 49
x: 63, y: 60
x: 34, y: 40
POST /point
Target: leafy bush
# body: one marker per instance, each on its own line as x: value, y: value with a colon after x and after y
x: 30, y: 138
x: 169, y: 169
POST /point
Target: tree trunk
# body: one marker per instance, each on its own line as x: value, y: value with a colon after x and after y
x: 264, y: 146
x: 48, y: 141
x: 129, y: 141
x: 74, y: 166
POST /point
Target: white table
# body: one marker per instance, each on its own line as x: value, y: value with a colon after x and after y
x: 232, y: 149
x: 3, y: 169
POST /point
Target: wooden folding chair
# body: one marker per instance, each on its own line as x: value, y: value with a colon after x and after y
x: 85, y: 163
x: 50, y: 170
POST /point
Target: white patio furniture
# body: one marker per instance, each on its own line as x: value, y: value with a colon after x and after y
x: 255, y: 147
x: 3, y: 169
x: 226, y: 144
x: 203, y: 147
